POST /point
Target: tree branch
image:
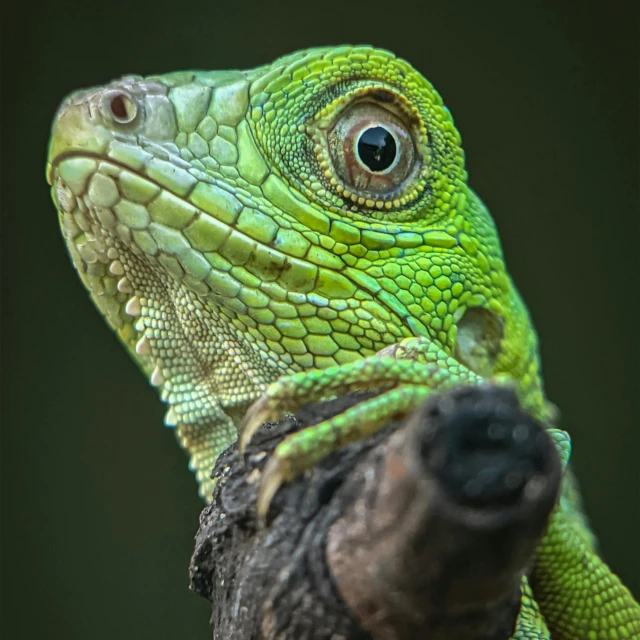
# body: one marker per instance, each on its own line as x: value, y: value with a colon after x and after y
x: 423, y: 530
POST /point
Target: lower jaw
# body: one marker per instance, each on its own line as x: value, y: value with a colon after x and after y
x: 146, y: 306
x: 111, y: 269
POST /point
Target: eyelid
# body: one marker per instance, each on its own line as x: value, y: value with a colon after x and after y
x: 358, y: 187
x: 393, y: 102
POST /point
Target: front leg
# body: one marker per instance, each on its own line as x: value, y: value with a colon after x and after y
x: 417, y: 369
x: 405, y: 385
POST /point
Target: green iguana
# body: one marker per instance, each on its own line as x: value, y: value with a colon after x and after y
x: 297, y: 231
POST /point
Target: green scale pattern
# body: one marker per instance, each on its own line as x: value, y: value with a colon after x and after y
x: 212, y: 223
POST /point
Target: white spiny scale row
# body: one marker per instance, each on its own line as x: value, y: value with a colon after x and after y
x: 98, y: 213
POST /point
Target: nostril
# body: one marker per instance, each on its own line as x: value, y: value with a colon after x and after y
x: 121, y: 107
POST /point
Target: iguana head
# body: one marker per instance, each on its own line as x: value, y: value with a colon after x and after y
x: 233, y: 226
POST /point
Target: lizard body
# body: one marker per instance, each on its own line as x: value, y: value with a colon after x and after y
x: 257, y: 235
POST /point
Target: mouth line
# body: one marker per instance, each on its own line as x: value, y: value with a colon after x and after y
x: 53, y: 165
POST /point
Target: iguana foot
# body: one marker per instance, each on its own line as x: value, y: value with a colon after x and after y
x: 302, y: 450
x: 406, y: 374
x: 414, y: 361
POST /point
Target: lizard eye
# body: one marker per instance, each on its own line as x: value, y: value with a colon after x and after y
x: 120, y: 107
x: 371, y: 149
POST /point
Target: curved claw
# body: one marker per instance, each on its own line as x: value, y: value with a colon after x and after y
x: 276, y: 472
x: 259, y: 412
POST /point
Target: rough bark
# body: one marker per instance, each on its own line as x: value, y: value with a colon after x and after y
x: 423, y: 530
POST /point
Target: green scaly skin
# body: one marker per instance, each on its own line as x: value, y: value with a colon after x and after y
x: 228, y: 234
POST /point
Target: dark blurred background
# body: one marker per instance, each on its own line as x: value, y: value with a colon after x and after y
x: 99, y: 508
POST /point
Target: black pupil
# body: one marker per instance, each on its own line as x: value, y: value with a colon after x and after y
x: 377, y: 148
